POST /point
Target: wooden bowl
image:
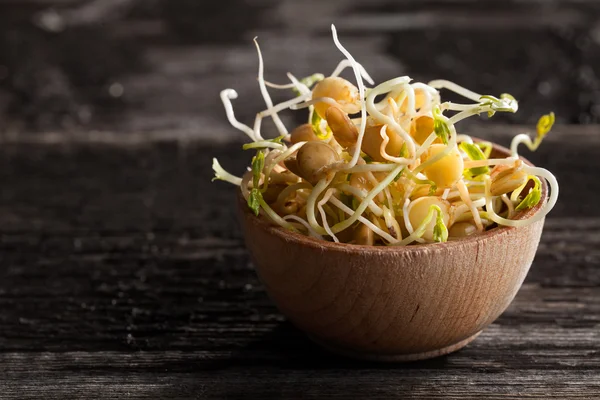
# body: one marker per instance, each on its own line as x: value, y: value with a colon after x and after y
x: 392, y: 303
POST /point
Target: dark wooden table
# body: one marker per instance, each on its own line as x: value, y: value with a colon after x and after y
x: 123, y: 272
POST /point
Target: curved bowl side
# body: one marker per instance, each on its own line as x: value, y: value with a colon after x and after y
x: 407, y: 300
x: 392, y: 301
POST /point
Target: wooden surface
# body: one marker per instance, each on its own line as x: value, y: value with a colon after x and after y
x: 123, y: 273
x: 122, y: 268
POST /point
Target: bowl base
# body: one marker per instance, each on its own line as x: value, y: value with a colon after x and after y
x: 362, y: 355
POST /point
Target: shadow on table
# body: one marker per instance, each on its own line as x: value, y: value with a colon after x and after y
x: 285, y: 363
x: 287, y: 347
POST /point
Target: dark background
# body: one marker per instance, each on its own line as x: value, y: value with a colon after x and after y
x: 123, y: 272
x: 149, y: 65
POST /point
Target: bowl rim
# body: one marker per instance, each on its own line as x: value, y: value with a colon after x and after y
x: 315, y: 243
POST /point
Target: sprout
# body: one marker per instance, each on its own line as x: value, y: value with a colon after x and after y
x: 265, y: 92
x: 222, y: 175
x: 226, y: 96
x: 418, y: 181
x: 440, y: 126
x: 443, y: 84
x: 345, y: 64
x: 544, y: 126
x: 316, y: 123
x: 506, y: 103
x: 309, y: 81
x: 361, y: 92
x: 534, y: 196
x: 320, y: 205
x: 474, y: 153
x: 422, y: 228
x: 258, y: 163
x: 371, y: 177
x: 488, y: 104
x: 254, y: 200
x: 440, y: 232
x: 264, y: 144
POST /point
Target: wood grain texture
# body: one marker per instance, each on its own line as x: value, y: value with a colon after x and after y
x: 123, y: 273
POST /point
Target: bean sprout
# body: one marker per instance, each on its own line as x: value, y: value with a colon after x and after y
x: 320, y: 204
x: 380, y: 169
x: 303, y: 222
x: 265, y: 92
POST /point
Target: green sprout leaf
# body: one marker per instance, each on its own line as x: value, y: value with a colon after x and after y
x: 258, y: 163
x: 441, y: 130
x: 506, y: 103
x: 440, y: 232
x: 486, y: 147
x: 544, y: 125
x: 403, y: 151
x: 262, y: 144
x: 309, y: 81
x: 440, y: 127
x: 315, y: 122
x: 312, y: 79
x: 278, y: 139
x: 315, y: 119
x: 368, y: 159
x: 415, y: 179
x: 254, y: 200
x: 490, y: 100
x: 474, y: 153
x: 534, y: 195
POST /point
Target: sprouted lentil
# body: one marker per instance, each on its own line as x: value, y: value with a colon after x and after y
x: 393, y: 172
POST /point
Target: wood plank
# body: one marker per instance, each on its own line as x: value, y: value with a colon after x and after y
x: 183, y: 375
x: 131, y: 256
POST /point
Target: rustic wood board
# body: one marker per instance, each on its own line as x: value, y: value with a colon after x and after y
x: 123, y: 274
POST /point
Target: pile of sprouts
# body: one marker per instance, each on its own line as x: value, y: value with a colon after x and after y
x: 384, y: 165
